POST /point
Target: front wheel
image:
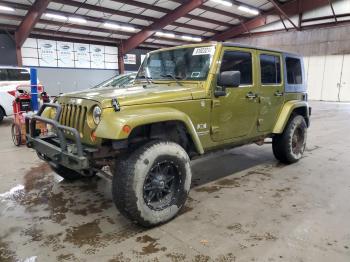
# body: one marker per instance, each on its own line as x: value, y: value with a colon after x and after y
x: 151, y: 184
x: 289, y: 146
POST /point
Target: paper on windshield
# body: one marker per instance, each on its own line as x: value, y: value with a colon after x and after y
x: 207, y: 50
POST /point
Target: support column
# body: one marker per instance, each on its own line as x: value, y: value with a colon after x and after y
x: 19, y: 56
x: 121, y: 66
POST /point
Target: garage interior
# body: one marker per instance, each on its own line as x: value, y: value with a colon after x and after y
x: 243, y: 205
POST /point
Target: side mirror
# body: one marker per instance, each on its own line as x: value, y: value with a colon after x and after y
x: 229, y: 79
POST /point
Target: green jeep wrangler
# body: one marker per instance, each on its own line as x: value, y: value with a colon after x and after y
x: 186, y: 101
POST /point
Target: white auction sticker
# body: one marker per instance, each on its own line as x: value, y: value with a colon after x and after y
x: 208, y: 50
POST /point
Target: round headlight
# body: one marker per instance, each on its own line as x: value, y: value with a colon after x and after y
x: 96, y: 114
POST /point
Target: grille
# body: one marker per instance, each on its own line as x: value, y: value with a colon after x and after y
x: 73, y: 116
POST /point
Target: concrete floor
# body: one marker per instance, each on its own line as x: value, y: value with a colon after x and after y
x: 244, y: 206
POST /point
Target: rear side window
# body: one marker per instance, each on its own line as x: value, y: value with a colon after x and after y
x: 3, y: 75
x: 238, y: 61
x: 270, y: 69
x: 18, y: 75
x: 14, y: 75
x: 294, y: 71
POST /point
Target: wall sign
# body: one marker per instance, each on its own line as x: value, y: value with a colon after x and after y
x: 97, y: 56
x: 65, y: 54
x: 130, y: 59
x: 82, y: 55
x: 47, y: 53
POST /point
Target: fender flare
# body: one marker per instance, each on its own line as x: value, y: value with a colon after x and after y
x: 286, y: 112
x: 112, y: 122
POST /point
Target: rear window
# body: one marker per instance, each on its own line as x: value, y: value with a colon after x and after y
x: 294, y: 71
x: 13, y: 74
x: 270, y: 69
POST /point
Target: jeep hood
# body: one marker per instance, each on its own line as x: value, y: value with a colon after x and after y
x: 138, y: 94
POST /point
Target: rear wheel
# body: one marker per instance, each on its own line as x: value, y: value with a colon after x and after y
x: 151, y: 184
x: 289, y: 146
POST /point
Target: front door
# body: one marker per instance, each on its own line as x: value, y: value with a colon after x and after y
x: 235, y: 115
x: 271, y: 89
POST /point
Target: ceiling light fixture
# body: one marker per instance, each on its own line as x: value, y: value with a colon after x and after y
x: 222, y: 2
x: 190, y: 38
x: 118, y: 27
x: 111, y: 26
x: 127, y: 28
x: 6, y: 8
x: 77, y: 20
x: 168, y: 35
x: 248, y: 10
x: 55, y: 16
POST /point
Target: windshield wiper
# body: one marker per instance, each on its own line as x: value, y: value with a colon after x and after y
x: 148, y: 79
x: 173, y: 77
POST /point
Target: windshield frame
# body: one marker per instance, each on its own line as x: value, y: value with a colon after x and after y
x: 143, y: 74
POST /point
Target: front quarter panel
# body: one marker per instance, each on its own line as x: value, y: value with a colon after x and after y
x: 111, y: 125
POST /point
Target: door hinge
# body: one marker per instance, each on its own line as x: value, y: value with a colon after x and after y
x: 215, y: 129
x: 216, y: 103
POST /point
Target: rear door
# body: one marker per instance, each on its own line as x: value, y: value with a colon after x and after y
x: 271, y: 89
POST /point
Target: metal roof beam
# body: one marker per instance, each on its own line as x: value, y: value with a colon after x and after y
x: 290, y: 8
x: 31, y: 18
x: 89, y: 18
x: 332, y: 8
x: 73, y: 37
x: 217, y: 11
x: 84, y: 27
x: 166, y: 10
x: 283, y: 14
x: 130, y: 15
x: 169, y: 18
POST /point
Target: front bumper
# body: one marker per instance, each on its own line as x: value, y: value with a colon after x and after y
x: 56, y: 148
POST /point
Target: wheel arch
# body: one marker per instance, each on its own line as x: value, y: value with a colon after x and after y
x: 112, y: 123
x: 294, y: 107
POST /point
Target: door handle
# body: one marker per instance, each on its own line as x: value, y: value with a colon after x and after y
x: 278, y: 93
x: 251, y: 95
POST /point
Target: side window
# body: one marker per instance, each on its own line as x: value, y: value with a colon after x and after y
x: 294, y: 71
x: 270, y: 69
x: 238, y: 61
x: 3, y: 75
x: 18, y: 75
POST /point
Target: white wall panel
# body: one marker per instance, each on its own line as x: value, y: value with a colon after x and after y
x: 30, y: 61
x: 29, y: 52
x: 30, y: 42
x: 49, y: 53
x: 345, y: 81
x: 315, y: 76
x: 331, y: 78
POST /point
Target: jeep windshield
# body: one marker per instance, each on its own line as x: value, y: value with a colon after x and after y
x: 191, y: 63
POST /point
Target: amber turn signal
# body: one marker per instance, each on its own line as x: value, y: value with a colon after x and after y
x: 126, y: 129
x: 93, y: 136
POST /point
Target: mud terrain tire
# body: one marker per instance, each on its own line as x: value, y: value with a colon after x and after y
x: 289, y: 146
x: 150, y: 185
